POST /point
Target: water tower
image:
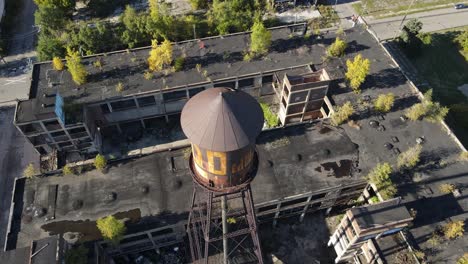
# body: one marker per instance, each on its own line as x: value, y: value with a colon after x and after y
x: 222, y: 125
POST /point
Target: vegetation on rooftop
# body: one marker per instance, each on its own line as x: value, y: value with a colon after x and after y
x: 160, y: 55
x: 337, y: 48
x: 357, y: 71
x: 463, y: 259
x: 260, y: 40
x: 30, y: 171
x: 447, y: 188
x: 57, y: 64
x: 119, y: 87
x: 342, y: 113
x: 454, y: 229
x: 427, y: 109
x: 380, y: 176
x: 67, y: 170
x: 100, y: 162
x: 409, y: 158
x: 384, y: 102
x: 76, y: 69
x: 270, y: 118
x: 111, y: 228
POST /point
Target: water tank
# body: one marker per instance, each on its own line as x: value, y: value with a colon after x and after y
x: 222, y: 125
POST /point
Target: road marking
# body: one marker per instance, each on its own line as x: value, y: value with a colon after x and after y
x: 13, y: 81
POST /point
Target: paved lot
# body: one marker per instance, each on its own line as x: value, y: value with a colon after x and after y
x: 386, y: 28
x: 15, y: 154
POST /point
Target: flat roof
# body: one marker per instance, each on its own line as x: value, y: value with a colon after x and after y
x: 281, y: 174
x: 221, y: 57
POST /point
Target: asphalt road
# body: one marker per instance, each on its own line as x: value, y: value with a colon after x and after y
x: 435, y: 20
x: 15, y: 154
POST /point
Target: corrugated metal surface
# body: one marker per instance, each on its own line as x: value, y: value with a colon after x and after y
x: 222, y: 119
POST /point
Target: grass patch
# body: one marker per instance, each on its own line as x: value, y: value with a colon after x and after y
x: 442, y: 65
x: 380, y: 8
x: 270, y: 118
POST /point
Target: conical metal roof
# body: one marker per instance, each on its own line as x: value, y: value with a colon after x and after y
x: 222, y: 119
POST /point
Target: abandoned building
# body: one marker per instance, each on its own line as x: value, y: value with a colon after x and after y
x: 71, y: 118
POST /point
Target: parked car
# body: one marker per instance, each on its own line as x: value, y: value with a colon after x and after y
x: 460, y: 6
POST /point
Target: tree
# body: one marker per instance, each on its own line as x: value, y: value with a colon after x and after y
x: 462, y: 40
x: 260, y: 39
x: 76, y: 69
x: 49, y: 47
x: 50, y: 18
x: 57, y: 64
x: 409, y: 36
x: 416, y: 111
x: 111, y: 228
x: 29, y: 171
x: 337, y: 48
x: 342, y: 113
x: 134, y: 27
x: 384, y: 102
x: 94, y: 39
x: 232, y: 15
x: 410, y: 157
x: 380, y: 176
x: 358, y: 69
x: 77, y: 255
x: 100, y: 162
x: 160, y: 22
x: 199, y: 4
x: 61, y: 4
x: 160, y: 55
x: 454, y: 229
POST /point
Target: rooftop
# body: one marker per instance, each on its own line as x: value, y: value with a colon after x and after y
x: 281, y: 173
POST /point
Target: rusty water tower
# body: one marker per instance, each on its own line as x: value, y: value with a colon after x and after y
x: 222, y: 125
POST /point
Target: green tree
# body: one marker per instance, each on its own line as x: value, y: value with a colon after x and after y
x: 111, y: 228
x: 76, y: 69
x: 160, y: 55
x: 49, y: 47
x: 100, y: 162
x: 384, y: 102
x: 260, y: 39
x: 410, y: 158
x: 50, y: 18
x: 409, y: 36
x: 62, y: 4
x: 94, y: 39
x: 77, y: 255
x: 337, y: 48
x: 431, y: 111
x: 342, y: 113
x: 358, y: 69
x: 160, y: 23
x: 134, y: 27
x: 199, y: 4
x: 380, y: 176
x: 232, y: 15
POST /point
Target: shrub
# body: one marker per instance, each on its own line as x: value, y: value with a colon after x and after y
x: 454, y: 229
x: 100, y: 162
x: 463, y: 259
x: 57, y: 64
x: 419, y: 255
x: 270, y: 118
x: 416, y: 111
x: 179, y: 63
x: 425, y: 37
x: 148, y: 75
x: 410, y: 157
x: 198, y: 4
x: 111, y: 228
x: 76, y: 69
x: 358, y: 69
x: 260, y: 39
x: 77, y: 255
x: 160, y: 55
x: 29, y: 171
x: 435, y: 239
x: 384, y: 102
x: 119, y: 87
x: 447, y: 188
x: 374, y: 199
x: 342, y: 113
x: 98, y: 63
x: 380, y: 176
x: 337, y: 48
x: 67, y: 170
x: 462, y: 40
